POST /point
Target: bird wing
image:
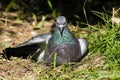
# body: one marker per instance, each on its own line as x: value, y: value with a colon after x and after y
x: 33, y: 46
x: 37, y: 40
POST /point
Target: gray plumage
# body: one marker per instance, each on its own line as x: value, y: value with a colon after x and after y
x: 42, y: 47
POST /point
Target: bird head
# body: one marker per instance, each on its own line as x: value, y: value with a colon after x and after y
x: 61, y: 23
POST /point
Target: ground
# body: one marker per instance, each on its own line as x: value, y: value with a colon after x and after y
x: 13, y: 33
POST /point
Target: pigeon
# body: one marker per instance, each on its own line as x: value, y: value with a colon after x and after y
x: 43, y: 47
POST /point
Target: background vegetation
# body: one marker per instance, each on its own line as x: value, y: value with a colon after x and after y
x: 97, y: 21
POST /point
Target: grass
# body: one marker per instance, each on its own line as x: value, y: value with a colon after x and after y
x: 101, y: 63
x: 107, y: 41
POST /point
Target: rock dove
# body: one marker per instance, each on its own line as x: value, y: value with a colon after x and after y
x: 43, y: 47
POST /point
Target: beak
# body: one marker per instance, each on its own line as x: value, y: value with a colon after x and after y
x: 61, y: 28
